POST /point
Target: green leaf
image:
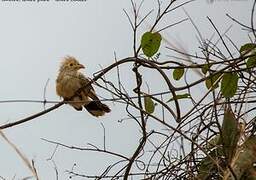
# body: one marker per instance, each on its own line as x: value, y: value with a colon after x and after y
x: 230, y: 133
x: 178, y: 73
x: 251, y: 62
x: 210, y: 81
x: 150, y: 43
x: 205, y: 68
x: 149, y: 104
x: 180, y: 96
x: 229, y: 84
x: 247, y: 48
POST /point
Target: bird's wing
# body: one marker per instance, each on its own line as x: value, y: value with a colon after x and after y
x: 88, y: 90
x: 95, y: 107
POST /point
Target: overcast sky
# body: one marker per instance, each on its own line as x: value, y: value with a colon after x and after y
x: 34, y: 37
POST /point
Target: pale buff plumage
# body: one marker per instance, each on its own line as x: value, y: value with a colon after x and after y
x: 70, y: 80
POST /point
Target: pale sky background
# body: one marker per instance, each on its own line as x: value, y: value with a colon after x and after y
x: 35, y: 36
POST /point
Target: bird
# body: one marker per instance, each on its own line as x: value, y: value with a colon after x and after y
x: 73, y: 87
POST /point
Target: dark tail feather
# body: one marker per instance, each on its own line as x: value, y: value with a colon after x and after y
x: 97, y: 108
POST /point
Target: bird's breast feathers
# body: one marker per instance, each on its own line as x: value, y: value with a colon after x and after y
x: 67, y: 85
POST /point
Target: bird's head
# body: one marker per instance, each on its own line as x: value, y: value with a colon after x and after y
x: 70, y: 64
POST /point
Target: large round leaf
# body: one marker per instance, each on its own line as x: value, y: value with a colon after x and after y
x: 246, y: 48
x: 229, y: 84
x: 178, y: 73
x: 251, y: 62
x: 150, y: 43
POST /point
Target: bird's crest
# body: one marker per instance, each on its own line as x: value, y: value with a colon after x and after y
x: 68, y: 59
x: 68, y: 62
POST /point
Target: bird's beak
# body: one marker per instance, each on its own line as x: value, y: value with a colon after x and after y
x: 80, y: 66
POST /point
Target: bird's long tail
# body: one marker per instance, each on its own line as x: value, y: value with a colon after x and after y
x: 97, y: 108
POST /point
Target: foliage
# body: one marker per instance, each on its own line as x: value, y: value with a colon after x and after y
x: 149, y: 105
x: 229, y: 84
x: 178, y: 73
x: 150, y: 43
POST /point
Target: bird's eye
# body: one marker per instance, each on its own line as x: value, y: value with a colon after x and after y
x: 71, y: 64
